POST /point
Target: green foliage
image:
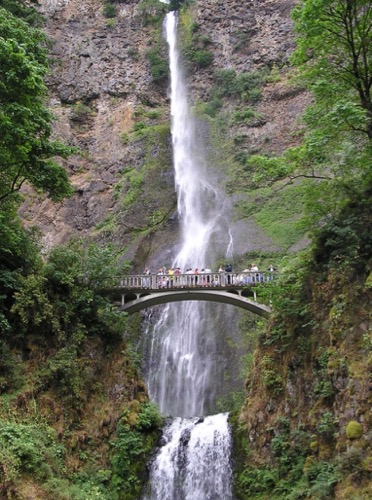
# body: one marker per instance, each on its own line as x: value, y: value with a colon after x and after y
x: 81, y: 112
x: 244, y: 115
x: 271, y: 378
x: 327, y: 426
x: 22, y: 11
x: 149, y: 418
x: 318, y: 482
x: 322, y: 478
x: 210, y: 108
x: 9, y: 368
x: 30, y: 449
x: 255, y: 481
x: 286, y: 478
x: 288, y: 292
x: 152, y: 11
x: 201, y: 58
x: 232, y: 402
x: 109, y: 10
x: 19, y: 255
x: 68, y: 375
x: 133, y: 187
x: 177, y: 4
x: 339, y: 35
x: 194, y: 44
x: 345, y: 240
x: 60, y: 301
x: 158, y: 64
x: 280, y: 216
x: 334, y: 61
x: 243, y: 86
x: 26, y: 148
x: 84, y: 487
x: 323, y: 388
x: 131, y: 451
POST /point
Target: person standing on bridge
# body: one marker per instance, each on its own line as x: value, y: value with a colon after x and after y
x: 146, y: 281
x: 170, y: 277
x: 208, y: 272
x: 247, y: 278
x: 196, y: 273
x: 255, y: 276
x: 189, y: 281
x: 228, y: 269
x: 271, y: 270
x: 177, y: 278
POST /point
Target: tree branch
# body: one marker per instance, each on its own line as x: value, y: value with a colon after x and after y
x: 305, y: 176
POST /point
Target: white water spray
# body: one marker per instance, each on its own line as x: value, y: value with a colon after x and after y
x: 193, y: 463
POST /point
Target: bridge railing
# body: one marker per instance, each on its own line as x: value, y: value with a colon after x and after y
x: 186, y: 280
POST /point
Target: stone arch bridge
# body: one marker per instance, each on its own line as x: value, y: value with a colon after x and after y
x: 137, y: 292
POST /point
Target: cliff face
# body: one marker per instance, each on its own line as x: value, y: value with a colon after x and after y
x: 101, y: 88
x: 309, y: 393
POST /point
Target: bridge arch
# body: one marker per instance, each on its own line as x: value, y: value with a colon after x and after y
x: 135, y: 302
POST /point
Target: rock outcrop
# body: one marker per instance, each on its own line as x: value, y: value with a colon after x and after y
x: 100, y: 84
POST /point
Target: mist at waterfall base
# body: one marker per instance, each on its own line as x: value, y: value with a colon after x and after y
x: 182, y: 354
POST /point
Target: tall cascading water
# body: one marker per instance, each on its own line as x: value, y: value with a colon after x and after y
x: 182, y: 360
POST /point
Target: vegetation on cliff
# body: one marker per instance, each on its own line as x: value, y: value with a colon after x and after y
x: 75, y: 421
x: 306, y: 414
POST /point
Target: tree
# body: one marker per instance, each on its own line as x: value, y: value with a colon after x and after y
x: 334, y: 61
x: 27, y: 152
x: 334, y: 42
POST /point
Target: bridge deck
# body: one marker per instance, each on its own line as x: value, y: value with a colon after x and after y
x: 141, y: 291
x: 211, y: 281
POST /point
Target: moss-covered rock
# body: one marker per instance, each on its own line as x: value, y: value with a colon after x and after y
x: 354, y: 430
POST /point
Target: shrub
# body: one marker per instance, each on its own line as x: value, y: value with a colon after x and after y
x: 29, y: 448
x: 244, y: 86
x: 257, y: 480
x: 133, y: 53
x: 327, y: 425
x: 158, y: 64
x: 202, y: 58
x: 152, y: 11
x: 109, y: 10
x: 132, y: 449
x: 244, y: 115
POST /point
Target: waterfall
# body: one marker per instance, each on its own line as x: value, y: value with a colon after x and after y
x: 183, y: 368
x: 193, y: 463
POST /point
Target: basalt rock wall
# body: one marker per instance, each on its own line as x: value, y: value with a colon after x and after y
x: 101, y: 82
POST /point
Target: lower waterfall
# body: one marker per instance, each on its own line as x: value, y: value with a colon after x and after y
x: 193, y: 462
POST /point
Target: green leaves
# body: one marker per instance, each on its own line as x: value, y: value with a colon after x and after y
x: 29, y: 449
x: 132, y: 448
x: 26, y: 148
x: 60, y: 299
x: 334, y: 49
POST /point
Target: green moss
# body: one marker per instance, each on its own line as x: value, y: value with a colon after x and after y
x: 280, y: 215
x: 314, y: 445
x: 354, y: 430
x: 368, y: 283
